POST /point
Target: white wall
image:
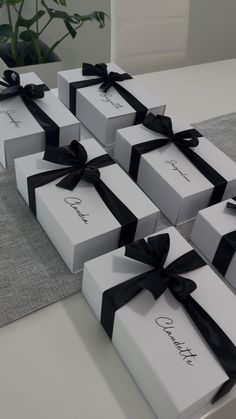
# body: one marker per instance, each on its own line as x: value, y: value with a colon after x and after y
x: 212, y: 31
x: 149, y: 35
x: 153, y: 35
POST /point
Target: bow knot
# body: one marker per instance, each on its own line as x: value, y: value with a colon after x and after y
x: 13, y: 87
x: 107, y: 79
x: 89, y: 174
x: 154, y: 252
x: 163, y: 125
x: 75, y: 157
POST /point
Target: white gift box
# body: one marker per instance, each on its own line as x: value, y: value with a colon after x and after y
x: 104, y: 113
x: 174, y: 389
x: 21, y: 134
x: 169, y: 178
x: 78, y: 222
x: 210, y: 227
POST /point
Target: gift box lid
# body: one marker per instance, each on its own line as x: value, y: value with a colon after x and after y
x: 173, y: 388
x: 111, y: 104
x: 61, y: 202
x: 171, y: 163
x: 21, y: 122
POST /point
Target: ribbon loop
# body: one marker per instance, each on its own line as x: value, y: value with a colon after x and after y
x: 14, y: 88
x: 162, y: 124
x: 107, y: 79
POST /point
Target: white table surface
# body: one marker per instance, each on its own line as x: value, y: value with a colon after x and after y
x: 58, y: 363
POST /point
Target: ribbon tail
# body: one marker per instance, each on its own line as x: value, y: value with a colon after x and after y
x: 123, y: 215
x: 138, y: 150
x: 52, y: 131
x: 116, y: 297
x: 74, y: 86
x: 220, y: 344
x: 230, y: 205
x: 225, y: 252
x: 224, y: 389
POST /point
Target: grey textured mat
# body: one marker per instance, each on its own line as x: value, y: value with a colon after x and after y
x: 32, y: 274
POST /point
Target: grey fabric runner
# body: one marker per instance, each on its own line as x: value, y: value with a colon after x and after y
x: 32, y: 274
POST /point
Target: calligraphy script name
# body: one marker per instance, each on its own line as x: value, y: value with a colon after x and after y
x: 108, y: 99
x: 10, y: 114
x: 174, y: 166
x: 74, y: 203
x: 186, y: 353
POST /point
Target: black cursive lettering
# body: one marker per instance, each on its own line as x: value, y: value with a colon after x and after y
x: 10, y: 114
x: 108, y: 99
x: 74, y: 203
x: 173, y: 163
x: 167, y: 325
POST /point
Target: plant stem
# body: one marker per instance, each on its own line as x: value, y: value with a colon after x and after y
x: 11, y: 24
x: 16, y: 33
x: 58, y: 42
x: 37, y: 22
x: 36, y: 40
x: 9, y: 16
x: 44, y: 27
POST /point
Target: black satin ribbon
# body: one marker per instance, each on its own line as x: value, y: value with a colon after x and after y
x: 185, y: 141
x: 227, y: 247
x: 75, y: 157
x: 28, y: 93
x: 107, y: 80
x: 154, y: 253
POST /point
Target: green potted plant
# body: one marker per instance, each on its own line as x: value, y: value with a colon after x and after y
x: 21, y: 37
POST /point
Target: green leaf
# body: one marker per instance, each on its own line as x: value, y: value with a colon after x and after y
x: 9, y: 2
x: 5, y: 33
x: 95, y: 16
x: 60, y: 2
x: 70, y: 28
x: 57, y: 14
x: 27, y: 23
x: 28, y: 35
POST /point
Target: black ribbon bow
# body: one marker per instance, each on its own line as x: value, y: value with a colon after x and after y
x: 107, y: 80
x: 78, y: 168
x: 186, y: 141
x: 226, y: 248
x: 154, y: 253
x: 12, y: 88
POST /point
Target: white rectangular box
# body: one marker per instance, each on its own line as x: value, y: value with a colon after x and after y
x: 174, y: 389
x: 210, y: 227
x: 104, y: 113
x: 78, y: 222
x: 21, y: 134
x: 169, y: 178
